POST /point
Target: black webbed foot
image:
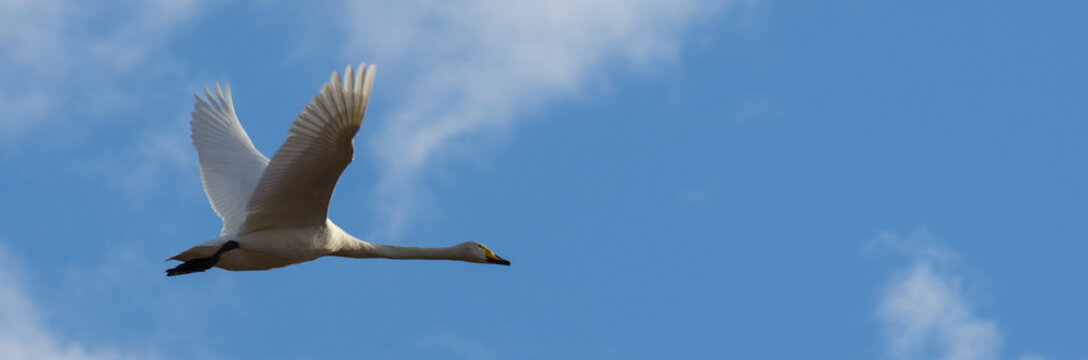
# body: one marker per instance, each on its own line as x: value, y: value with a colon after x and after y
x: 202, y: 264
x: 194, y: 265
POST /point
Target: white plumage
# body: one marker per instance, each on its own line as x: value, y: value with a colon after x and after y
x: 276, y: 212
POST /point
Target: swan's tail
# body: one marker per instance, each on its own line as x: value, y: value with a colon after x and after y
x: 201, y: 264
x: 204, y: 249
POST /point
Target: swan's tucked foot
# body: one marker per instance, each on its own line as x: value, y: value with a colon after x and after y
x: 202, y: 264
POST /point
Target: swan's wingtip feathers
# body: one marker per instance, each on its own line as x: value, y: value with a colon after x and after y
x: 335, y: 78
x: 349, y: 79
x: 337, y: 84
x: 222, y: 98
x: 357, y: 81
x: 228, y: 99
x: 356, y: 78
x: 368, y: 79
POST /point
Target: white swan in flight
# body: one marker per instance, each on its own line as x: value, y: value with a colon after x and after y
x: 275, y: 212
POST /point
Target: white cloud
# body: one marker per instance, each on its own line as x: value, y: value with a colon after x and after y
x: 471, y: 68
x: 138, y: 169
x: 80, y: 71
x: 923, y: 310
x: 71, y: 63
x: 23, y: 334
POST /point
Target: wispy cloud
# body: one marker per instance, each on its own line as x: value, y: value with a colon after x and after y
x: 923, y: 309
x: 137, y: 168
x: 69, y: 64
x: 471, y: 68
x: 23, y: 333
x: 96, y: 82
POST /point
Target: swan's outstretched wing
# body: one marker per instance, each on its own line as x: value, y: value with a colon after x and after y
x: 294, y: 190
x: 229, y: 164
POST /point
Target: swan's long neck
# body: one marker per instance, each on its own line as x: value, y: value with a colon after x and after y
x: 360, y: 249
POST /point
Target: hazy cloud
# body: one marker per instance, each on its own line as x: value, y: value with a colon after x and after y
x: 923, y: 310
x: 70, y: 63
x: 470, y: 69
x: 23, y: 334
x: 137, y: 169
x: 77, y: 87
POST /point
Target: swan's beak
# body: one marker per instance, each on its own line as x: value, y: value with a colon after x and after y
x: 498, y: 260
x: 495, y: 259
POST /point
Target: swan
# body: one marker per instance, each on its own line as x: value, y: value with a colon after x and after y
x: 275, y: 212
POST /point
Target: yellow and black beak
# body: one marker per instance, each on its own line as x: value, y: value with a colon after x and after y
x: 495, y: 259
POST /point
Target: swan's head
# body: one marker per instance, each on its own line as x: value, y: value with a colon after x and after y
x: 478, y: 253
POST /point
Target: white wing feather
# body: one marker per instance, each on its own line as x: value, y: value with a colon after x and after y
x: 295, y: 188
x: 229, y: 164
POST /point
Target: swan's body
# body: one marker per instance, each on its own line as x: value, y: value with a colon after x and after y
x: 275, y: 212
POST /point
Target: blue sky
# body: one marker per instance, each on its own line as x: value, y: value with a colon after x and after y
x: 691, y: 179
